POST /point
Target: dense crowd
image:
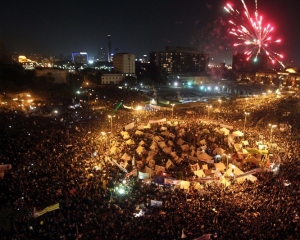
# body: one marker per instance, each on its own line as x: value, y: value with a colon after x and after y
x: 64, y: 159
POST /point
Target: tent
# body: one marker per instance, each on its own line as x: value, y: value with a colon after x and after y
x: 162, y: 145
x: 125, y: 135
x: 126, y: 157
x: 203, y: 156
x: 167, y: 150
x: 180, y: 142
x: 199, y: 173
x: 238, y: 134
x: 224, y: 130
x: 220, y: 166
x: 137, y: 132
x: 218, y: 151
x: 130, y: 142
x: 185, y: 147
x: 140, y: 150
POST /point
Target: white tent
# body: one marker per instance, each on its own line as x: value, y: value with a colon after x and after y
x: 238, y: 134
x: 224, y: 130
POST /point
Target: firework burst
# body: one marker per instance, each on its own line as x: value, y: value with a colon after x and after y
x: 251, y: 32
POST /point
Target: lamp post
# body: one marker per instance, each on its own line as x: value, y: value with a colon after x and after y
x: 271, y: 130
x: 208, y: 107
x: 246, y: 114
x: 111, y: 121
x: 172, y: 109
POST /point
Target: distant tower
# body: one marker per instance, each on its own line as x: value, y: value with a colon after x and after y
x: 109, y: 48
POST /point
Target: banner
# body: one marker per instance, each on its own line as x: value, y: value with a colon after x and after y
x: 155, y: 203
x: 204, y: 179
x: 256, y: 170
x: 129, y: 126
x: 226, y: 126
x: 45, y: 210
x: 157, y: 121
x: 171, y: 181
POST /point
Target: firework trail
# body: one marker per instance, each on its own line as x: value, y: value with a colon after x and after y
x: 251, y: 32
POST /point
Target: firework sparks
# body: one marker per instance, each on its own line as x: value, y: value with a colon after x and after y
x: 252, y: 33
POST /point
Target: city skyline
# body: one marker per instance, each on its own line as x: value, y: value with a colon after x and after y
x: 137, y: 27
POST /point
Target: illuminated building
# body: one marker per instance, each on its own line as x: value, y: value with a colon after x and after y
x: 124, y: 63
x: 80, y: 57
x: 180, y: 60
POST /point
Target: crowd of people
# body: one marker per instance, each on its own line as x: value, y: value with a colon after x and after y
x: 65, y: 159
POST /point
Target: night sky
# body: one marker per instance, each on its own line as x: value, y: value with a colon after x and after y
x: 138, y: 26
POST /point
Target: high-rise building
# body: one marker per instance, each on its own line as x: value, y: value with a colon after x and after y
x: 80, y: 57
x: 180, y: 60
x: 109, y: 48
x: 101, y: 55
x: 124, y: 63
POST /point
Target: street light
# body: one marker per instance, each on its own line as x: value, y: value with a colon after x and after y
x: 208, y: 107
x: 111, y: 121
x: 246, y: 114
x: 172, y: 109
x: 271, y: 130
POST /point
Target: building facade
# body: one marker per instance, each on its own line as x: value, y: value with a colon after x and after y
x: 124, y: 63
x: 176, y: 60
x: 80, y: 57
x: 111, y: 78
